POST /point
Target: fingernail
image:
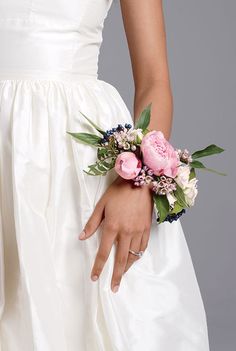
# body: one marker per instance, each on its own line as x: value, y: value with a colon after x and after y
x: 82, y: 235
x: 94, y: 277
x: 115, y: 288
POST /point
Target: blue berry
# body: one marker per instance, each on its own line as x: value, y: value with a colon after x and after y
x: 174, y: 217
x: 120, y: 127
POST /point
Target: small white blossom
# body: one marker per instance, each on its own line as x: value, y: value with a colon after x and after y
x: 135, y: 135
x: 182, y: 178
x: 191, y: 191
x: 171, y: 199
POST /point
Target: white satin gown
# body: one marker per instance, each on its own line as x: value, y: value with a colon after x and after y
x: 48, y: 73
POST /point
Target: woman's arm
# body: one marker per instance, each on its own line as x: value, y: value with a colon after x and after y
x: 126, y: 212
x: 145, y: 31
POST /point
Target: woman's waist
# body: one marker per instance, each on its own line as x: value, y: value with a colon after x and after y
x: 37, y: 51
x: 45, y: 75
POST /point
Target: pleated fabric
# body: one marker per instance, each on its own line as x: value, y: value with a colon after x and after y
x: 47, y: 299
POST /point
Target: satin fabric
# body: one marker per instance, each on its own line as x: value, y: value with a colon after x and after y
x: 48, y: 74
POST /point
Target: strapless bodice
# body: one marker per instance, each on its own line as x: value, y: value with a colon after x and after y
x: 51, y: 38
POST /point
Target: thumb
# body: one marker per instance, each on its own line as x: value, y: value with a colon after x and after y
x: 93, y: 222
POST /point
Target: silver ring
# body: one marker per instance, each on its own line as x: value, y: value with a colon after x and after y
x: 139, y: 253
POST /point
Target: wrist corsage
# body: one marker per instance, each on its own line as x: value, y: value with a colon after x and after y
x: 147, y: 158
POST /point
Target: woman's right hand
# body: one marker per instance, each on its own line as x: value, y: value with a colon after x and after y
x: 126, y: 213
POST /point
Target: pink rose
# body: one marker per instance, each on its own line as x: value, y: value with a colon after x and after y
x: 159, y: 154
x: 128, y: 165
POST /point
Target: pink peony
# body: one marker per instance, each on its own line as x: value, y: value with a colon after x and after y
x: 128, y: 165
x: 159, y: 154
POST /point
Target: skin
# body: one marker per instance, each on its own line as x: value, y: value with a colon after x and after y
x: 125, y: 212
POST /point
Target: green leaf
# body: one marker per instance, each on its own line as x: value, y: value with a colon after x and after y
x: 177, y: 208
x: 91, y: 139
x: 109, y: 165
x: 192, y: 174
x: 101, y: 167
x: 101, y: 153
x: 179, y: 194
x: 93, y: 124
x: 93, y: 173
x: 144, y: 119
x: 198, y: 164
x: 209, y: 150
x: 145, y: 131
x: 162, y: 205
x: 92, y: 170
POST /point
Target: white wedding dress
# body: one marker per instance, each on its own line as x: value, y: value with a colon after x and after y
x: 48, y: 73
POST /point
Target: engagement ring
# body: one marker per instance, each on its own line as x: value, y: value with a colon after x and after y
x: 139, y: 253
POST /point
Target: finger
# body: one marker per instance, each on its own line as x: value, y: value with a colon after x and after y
x: 135, y: 246
x: 122, y: 253
x: 143, y: 246
x: 107, y: 240
x: 93, y: 222
x: 145, y: 240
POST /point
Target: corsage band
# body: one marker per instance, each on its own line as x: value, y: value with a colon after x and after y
x: 147, y: 158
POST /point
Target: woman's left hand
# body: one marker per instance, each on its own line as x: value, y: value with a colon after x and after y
x: 126, y: 213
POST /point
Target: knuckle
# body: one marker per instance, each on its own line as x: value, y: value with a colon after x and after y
x: 102, y: 256
x: 111, y: 227
x: 121, y: 260
x: 139, y: 232
x: 133, y: 231
x: 127, y: 231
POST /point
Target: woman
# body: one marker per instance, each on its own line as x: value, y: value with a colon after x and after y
x: 93, y: 294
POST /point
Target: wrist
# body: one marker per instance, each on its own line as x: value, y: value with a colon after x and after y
x: 129, y: 183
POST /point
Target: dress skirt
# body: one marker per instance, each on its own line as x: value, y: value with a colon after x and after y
x: 47, y: 299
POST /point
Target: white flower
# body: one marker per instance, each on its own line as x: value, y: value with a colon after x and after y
x: 172, y: 199
x: 191, y: 191
x: 189, y: 186
x: 182, y: 178
x: 135, y: 135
